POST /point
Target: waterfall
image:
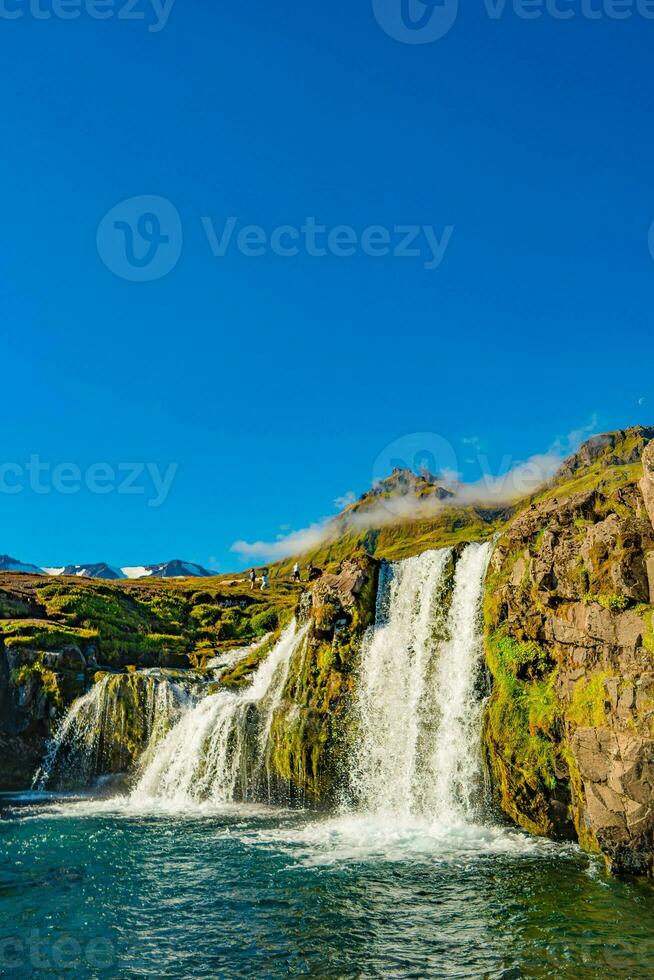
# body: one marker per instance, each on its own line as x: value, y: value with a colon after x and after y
x: 455, y: 762
x: 219, y: 751
x: 417, y: 715
x: 107, y: 729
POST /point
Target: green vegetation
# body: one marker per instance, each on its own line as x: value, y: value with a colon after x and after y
x: 42, y: 635
x: 588, y: 705
x: 524, y: 714
x: 616, y: 603
x: 448, y: 527
x: 311, y: 731
x: 155, y: 623
x: 241, y: 674
x: 39, y: 675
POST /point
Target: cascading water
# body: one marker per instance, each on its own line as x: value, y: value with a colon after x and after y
x: 105, y: 730
x: 219, y: 750
x: 455, y: 761
x: 393, y: 683
x: 417, y: 713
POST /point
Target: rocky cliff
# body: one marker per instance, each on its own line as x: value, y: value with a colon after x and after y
x: 310, y: 733
x: 570, y: 644
x: 22, y: 739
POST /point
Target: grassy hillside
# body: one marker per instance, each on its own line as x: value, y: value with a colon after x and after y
x: 152, y: 622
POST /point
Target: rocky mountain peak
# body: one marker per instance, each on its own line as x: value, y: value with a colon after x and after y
x: 620, y: 448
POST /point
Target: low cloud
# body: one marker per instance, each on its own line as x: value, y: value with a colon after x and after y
x: 346, y: 500
x: 293, y: 543
x: 515, y: 480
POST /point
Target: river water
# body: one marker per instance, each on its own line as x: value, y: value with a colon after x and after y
x: 96, y: 888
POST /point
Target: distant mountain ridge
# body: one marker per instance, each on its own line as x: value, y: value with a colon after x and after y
x: 167, y: 569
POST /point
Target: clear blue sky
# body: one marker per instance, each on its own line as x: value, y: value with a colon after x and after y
x: 274, y: 382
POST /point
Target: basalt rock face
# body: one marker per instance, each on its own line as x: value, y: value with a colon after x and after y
x: 647, y: 481
x: 21, y: 741
x: 310, y: 731
x: 570, y: 642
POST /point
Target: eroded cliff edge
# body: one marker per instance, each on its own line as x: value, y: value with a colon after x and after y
x: 569, y: 731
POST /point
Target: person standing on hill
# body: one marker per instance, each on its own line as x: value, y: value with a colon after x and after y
x: 296, y: 572
x: 253, y: 578
x: 264, y: 580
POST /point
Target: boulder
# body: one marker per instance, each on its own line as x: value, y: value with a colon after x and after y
x: 335, y: 596
x: 70, y: 658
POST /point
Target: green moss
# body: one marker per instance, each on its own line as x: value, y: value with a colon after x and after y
x: 495, y: 583
x: 586, y: 838
x: 265, y: 621
x: 588, y: 704
x: 240, y: 674
x: 647, y: 614
x: 523, y: 722
x: 44, y: 678
x: 600, y: 477
x: 42, y: 635
x: 616, y: 603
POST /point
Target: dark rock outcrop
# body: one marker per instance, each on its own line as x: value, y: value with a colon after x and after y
x: 309, y: 735
x: 570, y: 637
x: 21, y: 744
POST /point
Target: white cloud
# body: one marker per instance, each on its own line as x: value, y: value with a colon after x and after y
x: 293, y: 543
x: 516, y: 479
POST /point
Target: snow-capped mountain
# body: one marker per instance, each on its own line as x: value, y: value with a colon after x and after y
x: 167, y: 569
x: 99, y: 570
